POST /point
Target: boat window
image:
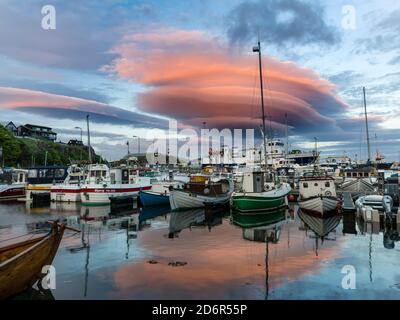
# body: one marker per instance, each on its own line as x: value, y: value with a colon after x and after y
x: 42, y: 173
x: 59, y: 173
x: 360, y: 174
x: 305, y: 185
x: 354, y: 174
x: 104, y: 173
x: 32, y: 173
x: 327, y: 184
x: 316, y: 184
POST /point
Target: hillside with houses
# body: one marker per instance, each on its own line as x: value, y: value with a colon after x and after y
x: 34, y: 145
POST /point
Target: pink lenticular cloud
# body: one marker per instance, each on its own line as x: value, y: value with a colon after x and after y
x: 192, y: 76
x: 14, y: 98
x: 56, y: 106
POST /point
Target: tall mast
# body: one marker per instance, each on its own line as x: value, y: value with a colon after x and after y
x: 287, y: 137
x: 88, y: 136
x: 258, y: 49
x: 366, y: 126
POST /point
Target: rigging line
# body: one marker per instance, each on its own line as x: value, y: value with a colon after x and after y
x: 254, y: 92
x: 269, y: 97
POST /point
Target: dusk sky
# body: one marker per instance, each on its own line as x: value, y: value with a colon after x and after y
x: 132, y: 65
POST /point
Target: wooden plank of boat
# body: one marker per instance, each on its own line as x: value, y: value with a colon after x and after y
x: 21, y: 263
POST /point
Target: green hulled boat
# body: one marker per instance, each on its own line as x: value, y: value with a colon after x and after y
x: 257, y: 196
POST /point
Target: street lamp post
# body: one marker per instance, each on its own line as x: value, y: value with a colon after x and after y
x: 81, y: 139
x: 138, y: 143
x: 81, y: 132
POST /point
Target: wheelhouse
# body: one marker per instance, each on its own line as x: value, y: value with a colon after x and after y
x: 47, y: 175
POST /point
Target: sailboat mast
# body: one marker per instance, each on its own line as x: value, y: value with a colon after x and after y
x: 287, y: 136
x: 366, y: 126
x: 258, y: 49
x: 88, y: 134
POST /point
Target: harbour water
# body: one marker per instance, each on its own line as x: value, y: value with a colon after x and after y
x: 154, y: 254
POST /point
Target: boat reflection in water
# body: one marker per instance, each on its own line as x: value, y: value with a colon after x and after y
x: 195, y: 218
x: 261, y: 227
x: 96, y: 220
x: 321, y: 226
x: 148, y: 213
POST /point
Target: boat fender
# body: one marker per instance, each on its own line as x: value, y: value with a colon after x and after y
x: 328, y: 193
x: 206, y: 191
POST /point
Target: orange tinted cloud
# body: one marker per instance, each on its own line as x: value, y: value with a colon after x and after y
x: 192, y: 76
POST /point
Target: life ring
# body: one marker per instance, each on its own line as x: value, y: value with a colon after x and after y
x: 328, y: 193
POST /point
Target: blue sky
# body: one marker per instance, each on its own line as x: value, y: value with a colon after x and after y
x: 133, y: 64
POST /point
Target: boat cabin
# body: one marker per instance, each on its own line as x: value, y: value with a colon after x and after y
x: 76, y: 175
x: 97, y: 174
x: 13, y: 176
x: 258, y: 181
x: 203, y: 185
x: 317, y: 186
x: 47, y: 175
x: 364, y: 172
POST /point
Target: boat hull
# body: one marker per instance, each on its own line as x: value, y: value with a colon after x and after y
x: 260, y: 202
x: 319, y: 204
x: 65, y: 193
x: 99, y: 195
x: 181, y: 200
x: 21, y: 264
x: 12, y: 192
x: 150, y: 198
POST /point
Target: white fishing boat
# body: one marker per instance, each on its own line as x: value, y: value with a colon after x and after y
x: 201, y: 191
x: 70, y: 189
x: 318, y: 194
x: 370, y: 207
x: 12, y: 184
x: 102, y: 183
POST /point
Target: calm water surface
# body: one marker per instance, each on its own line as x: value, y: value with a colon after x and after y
x: 289, y: 255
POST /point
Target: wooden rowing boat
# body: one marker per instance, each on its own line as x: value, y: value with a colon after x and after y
x: 21, y: 263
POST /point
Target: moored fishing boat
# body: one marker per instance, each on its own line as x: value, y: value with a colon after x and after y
x: 12, y: 184
x: 41, y: 179
x: 371, y: 206
x: 159, y: 193
x: 257, y: 194
x: 69, y: 190
x: 102, y: 183
x: 21, y: 263
x: 201, y: 191
x: 317, y: 193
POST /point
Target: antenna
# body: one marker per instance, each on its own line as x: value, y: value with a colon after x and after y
x: 366, y: 125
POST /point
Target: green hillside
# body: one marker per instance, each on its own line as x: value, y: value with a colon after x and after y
x: 23, y: 152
